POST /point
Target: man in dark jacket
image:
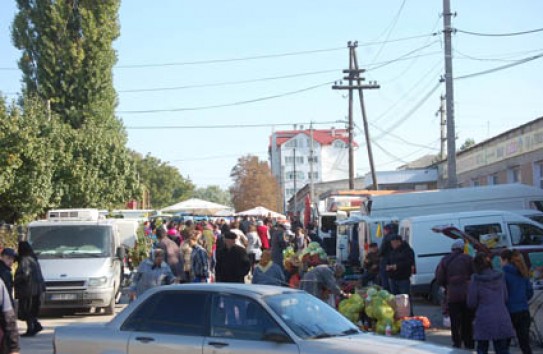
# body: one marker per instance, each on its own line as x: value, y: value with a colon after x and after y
x: 371, y: 265
x: 389, y: 232
x: 454, y: 273
x: 172, y: 253
x: 7, y: 258
x: 400, y: 266
x: 232, y: 261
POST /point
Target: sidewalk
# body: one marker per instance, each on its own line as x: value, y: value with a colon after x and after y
x: 442, y: 336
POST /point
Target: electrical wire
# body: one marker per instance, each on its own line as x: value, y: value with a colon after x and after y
x: 499, y: 68
x: 404, y: 56
x: 216, y: 157
x: 228, y: 83
x: 503, y: 56
x: 237, y: 103
x: 390, y: 29
x: 510, y: 34
x: 229, y: 126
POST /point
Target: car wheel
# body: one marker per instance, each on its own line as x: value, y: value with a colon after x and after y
x: 110, y: 309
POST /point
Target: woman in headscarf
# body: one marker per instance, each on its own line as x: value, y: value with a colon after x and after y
x: 29, y: 285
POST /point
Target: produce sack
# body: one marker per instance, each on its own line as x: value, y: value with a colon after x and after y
x: 403, y: 306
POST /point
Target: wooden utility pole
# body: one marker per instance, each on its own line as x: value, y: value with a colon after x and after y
x: 311, y: 161
x: 354, y: 75
x: 449, y: 94
x: 443, y: 132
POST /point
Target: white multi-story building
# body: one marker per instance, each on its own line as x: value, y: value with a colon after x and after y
x: 291, y: 159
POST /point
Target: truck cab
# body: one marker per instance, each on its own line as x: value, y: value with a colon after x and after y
x: 80, y: 254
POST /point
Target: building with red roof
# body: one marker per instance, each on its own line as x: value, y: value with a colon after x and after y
x: 291, y: 159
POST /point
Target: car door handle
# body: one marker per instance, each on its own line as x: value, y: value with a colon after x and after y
x: 145, y: 339
x: 218, y: 344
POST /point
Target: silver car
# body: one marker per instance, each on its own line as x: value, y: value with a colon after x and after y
x: 228, y: 318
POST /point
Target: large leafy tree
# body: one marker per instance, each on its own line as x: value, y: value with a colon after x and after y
x: 30, y: 145
x: 164, y: 182
x: 213, y: 194
x: 67, y: 60
x: 254, y: 185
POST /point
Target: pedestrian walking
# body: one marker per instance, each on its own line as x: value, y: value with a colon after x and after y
x: 9, y: 342
x: 241, y: 238
x: 29, y: 285
x: 186, y: 253
x: 232, y: 261
x: 454, y: 274
x: 152, y: 272
x: 7, y: 258
x: 279, y: 242
x: 254, y: 246
x: 172, y: 254
x: 263, y: 233
x: 268, y: 273
x: 487, y: 295
x: 520, y: 291
x: 199, y: 262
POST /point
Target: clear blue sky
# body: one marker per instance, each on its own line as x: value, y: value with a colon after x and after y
x: 175, y: 31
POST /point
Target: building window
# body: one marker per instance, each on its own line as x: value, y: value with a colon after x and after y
x: 292, y: 144
x: 289, y: 160
x: 492, y: 180
x: 313, y: 159
x: 315, y: 175
x: 475, y: 182
x: 339, y: 144
x: 290, y: 175
x: 513, y: 175
x: 538, y: 174
x: 290, y: 191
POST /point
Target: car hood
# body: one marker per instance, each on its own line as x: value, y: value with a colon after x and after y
x: 74, y: 268
x: 371, y: 343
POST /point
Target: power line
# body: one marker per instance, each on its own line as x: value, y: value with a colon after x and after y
x: 503, y: 56
x: 216, y: 157
x: 228, y: 83
x: 228, y: 126
x: 509, y: 34
x: 238, y: 103
x: 405, y: 56
x: 390, y: 29
x: 499, y: 68
x: 255, y: 57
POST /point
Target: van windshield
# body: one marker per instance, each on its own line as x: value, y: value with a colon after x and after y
x: 71, y: 241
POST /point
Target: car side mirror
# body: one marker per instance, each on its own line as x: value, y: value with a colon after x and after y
x: 276, y: 335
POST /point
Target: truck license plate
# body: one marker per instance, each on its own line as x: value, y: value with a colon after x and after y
x: 63, y: 297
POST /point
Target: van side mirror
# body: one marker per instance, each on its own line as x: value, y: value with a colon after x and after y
x: 120, y: 252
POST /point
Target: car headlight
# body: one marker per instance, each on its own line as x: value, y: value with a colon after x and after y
x: 100, y: 281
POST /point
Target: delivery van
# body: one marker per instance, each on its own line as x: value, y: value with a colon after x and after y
x: 495, y: 229
x: 80, y: 254
x: 497, y: 197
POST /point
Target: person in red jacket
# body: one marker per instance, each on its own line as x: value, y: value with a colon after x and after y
x: 263, y: 233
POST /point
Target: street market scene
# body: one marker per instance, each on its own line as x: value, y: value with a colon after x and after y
x: 242, y: 177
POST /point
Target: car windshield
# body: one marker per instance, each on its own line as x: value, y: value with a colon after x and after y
x: 309, y: 317
x: 71, y: 241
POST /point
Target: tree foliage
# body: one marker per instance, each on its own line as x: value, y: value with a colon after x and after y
x: 75, y: 153
x: 213, y: 194
x: 467, y: 144
x: 165, y: 183
x: 254, y: 185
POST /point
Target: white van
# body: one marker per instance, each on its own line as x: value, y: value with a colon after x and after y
x: 80, y: 255
x: 496, y: 197
x: 496, y: 229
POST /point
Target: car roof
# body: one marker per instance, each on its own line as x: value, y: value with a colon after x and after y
x: 231, y: 288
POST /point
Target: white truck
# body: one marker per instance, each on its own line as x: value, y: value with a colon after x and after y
x: 81, y: 256
x: 496, y: 229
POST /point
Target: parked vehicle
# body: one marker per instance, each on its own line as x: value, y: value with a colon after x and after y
x: 81, y: 255
x: 229, y: 318
x: 494, y: 229
x: 497, y: 197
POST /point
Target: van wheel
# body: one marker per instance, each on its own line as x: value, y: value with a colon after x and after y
x: 436, y: 295
x: 110, y: 309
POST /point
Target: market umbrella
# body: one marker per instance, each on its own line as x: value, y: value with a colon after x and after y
x: 262, y: 212
x: 196, y: 206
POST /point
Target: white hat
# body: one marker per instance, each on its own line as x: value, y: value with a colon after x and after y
x: 457, y: 244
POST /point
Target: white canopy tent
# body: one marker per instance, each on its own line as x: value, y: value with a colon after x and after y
x: 262, y: 212
x: 196, y: 206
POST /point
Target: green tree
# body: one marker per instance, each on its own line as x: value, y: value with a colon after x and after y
x: 29, y: 149
x: 254, y: 185
x: 67, y: 60
x: 467, y: 144
x: 213, y: 194
x: 165, y: 183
